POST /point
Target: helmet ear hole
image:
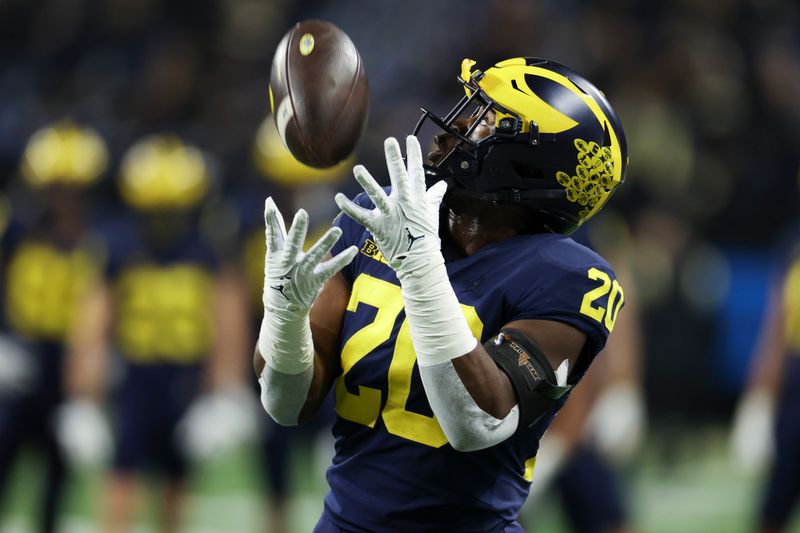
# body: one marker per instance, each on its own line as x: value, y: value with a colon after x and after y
x: 524, y: 170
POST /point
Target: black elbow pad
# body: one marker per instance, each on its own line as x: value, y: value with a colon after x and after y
x: 530, y: 374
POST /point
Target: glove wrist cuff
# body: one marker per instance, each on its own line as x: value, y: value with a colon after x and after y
x: 419, y: 267
x: 285, y: 341
x: 439, y: 330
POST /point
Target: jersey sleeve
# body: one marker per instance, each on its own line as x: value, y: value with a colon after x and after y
x: 352, y: 233
x: 584, y: 294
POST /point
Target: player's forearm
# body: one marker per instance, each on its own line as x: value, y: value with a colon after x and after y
x: 227, y: 367
x: 464, y: 387
x: 439, y: 330
x: 86, y: 368
x: 86, y: 360
x: 286, y: 347
x: 440, y: 333
x: 285, y: 395
x: 770, y: 352
x: 466, y: 425
x: 487, y: 384
x: 282, y: 394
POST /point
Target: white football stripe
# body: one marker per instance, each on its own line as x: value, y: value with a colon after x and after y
x: 283, y: 116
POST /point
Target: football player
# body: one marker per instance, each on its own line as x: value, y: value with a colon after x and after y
x: 767, y: 426
x: 49, y: 259
x: 175, y: 319
x: 451, y: 331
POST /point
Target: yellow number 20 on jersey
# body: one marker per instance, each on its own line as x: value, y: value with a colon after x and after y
x: 365, y: 406
x: 607, y: 317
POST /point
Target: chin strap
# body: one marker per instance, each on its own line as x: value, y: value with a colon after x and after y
x: 511, y: 196
x: 515, y: 196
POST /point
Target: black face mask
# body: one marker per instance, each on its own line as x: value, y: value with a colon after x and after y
x: 501, y: 168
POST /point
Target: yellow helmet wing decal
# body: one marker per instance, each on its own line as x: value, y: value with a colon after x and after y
x: 510, y: 90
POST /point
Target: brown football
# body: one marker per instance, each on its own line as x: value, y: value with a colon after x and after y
x: 318, y: 93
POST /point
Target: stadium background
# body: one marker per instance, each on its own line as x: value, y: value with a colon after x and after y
x: 707, y: 92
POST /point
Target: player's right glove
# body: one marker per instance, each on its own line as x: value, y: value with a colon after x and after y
x: 17, y: 368
x: 617, y: 421
x: 217, y: 422
x: 292, y: 281
x: 83, y: 433
x: 550, y: 459
x: 752, y: 441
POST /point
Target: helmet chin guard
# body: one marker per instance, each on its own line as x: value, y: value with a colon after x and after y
x: 557, y: 147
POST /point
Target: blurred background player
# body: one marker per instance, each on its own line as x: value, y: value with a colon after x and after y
x: 766, y: 429
x: 47, y: 263
x: 293, y: 184
x: 600, y: 428
x: 174, y: 316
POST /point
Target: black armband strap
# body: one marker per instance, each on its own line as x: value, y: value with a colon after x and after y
x: 530, y: 374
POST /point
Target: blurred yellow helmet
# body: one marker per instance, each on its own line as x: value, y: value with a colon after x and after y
x: 162, y: 172
x: 64, y: 153
x: 275, y: 161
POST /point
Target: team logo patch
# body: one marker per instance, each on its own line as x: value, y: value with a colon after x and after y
x: 370, y: 249
x: 306, y: 44
x: 524, y: 360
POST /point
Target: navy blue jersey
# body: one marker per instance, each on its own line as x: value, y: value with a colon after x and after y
x: 393, y: 469
x: 43, y: 283
x: 163, y: 297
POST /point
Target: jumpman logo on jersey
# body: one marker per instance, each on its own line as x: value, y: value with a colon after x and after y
x: 412, y: 239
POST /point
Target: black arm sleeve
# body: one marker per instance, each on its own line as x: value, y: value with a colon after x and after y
x: 529, y: 371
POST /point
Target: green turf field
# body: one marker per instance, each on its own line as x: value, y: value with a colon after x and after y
x: 692, y: 488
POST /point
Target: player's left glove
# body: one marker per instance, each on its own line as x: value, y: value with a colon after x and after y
x: 292, y: 281
x: 82, y: 432
x: 218, y: 421
x: 550, y: 459
x: 617, y: 421
x: 405, y: 223
x: 17, y: 368
x: 751, y: 441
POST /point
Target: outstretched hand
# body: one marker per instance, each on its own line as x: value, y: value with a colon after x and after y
x: 292, y: 278
x: 405, y: 223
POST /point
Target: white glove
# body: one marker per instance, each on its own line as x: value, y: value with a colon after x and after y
x: 17, y: 369
x: 617, y: 421
x: 292, y: 281
x: 217, y: 422
x: 83, y: 433
x: 752, y: 440
x: 405, y: 223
